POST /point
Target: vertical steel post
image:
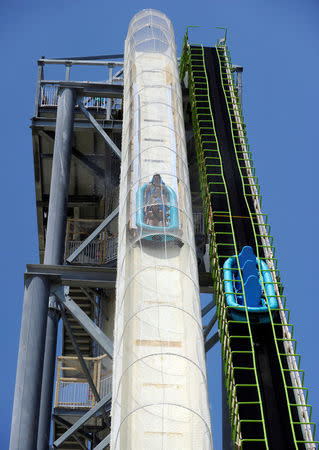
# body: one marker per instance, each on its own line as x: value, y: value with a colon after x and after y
x: 48, y: 377
x: 109, y: 101
x: 227, y: 440
x: 25, y: 413
x: 54, y: 247
x: 240, y: 85
x: 38, y: 91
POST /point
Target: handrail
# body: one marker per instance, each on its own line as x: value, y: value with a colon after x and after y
x: 81, y: 62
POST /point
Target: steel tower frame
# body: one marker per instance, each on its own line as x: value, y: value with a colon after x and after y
x: 61, y: 110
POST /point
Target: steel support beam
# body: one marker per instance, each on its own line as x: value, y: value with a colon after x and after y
x: 82, y: 421
x: 78, y: 276
x: 54, y: 246
x: 60, y: 177
x: 27, y: 393
x: 109, y: 101
x: 211, y: 341
x: 210, y: 325
x: 68, y: 425
x: 83, y: 124
x: 95, y: 123
x: 93, y: 235
x: 103, y: 444
x: 48, y: 375
x: 91, y: 328
x: 208, y: 307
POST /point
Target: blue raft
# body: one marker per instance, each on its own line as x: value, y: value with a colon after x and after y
x: 255, y: 295
x: 164, y: 233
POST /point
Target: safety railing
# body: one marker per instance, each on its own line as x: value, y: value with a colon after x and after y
x: 112, y: 74
x: 72, y: 388
x: 103, y: 249
x: 49, y: 98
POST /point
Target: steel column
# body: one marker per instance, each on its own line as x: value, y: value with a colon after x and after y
x: 25, y: 414
x: 109, y: 101
x: 54, y: 246
x: 48, y: 378
x: 60, y: 177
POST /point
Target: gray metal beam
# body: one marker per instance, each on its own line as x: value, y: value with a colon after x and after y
x: 91, y: 328
x: 103, y: 444
x: 211, y: 341
x: 86, y: 58
x: 79, y: 354
x: 208, y: 307
x: 87, y: 276
x: 118, y: 74
x: 93, y: 235
x: 82, y: 421
x: 94, y: 122
x: 81, y: 62
x: 78, y: 276
x: 210, y: 325
x: 27, y: 392
x: 49, y: 124
x: 67, y: 425
x: 89, y: 89
x: 55, y: 246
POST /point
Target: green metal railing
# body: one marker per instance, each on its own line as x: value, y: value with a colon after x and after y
x: 244, y: 399
x: 220, y: 226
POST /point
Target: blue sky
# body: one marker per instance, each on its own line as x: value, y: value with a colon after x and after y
x: 276, y: 41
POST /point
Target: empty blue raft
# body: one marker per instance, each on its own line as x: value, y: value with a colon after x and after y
x: 153, y: 233
x: 259, y: 293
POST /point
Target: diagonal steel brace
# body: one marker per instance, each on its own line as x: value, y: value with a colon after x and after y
x: 98, y: 127
x: 93, y: 235
x: 82, y: 421
x: 103, y: 444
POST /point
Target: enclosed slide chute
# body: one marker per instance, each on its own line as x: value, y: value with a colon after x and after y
x: 160, y: 398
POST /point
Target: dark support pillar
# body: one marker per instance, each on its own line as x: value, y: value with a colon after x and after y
x: 48, y: 377
x: 30, y: 363
x: 54, y: 247
x: 60, y: 177
x: 227, y: 440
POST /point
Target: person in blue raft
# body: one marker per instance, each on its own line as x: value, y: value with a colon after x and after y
x: 157, y: 212
x: 155, y: 199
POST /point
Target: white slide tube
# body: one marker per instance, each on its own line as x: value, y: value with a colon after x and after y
x: 160, y: 399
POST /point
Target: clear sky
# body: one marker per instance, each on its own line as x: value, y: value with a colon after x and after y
x: 277, y: 42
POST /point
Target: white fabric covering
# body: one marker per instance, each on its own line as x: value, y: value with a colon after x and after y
x: 160, y: 399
